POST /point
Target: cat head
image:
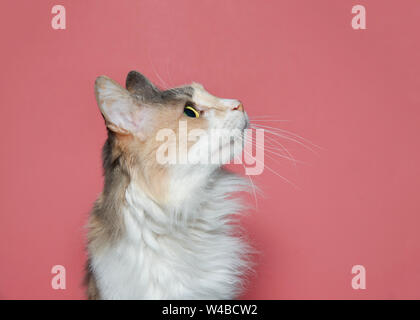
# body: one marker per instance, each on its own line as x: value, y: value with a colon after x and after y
x: 145, y: 123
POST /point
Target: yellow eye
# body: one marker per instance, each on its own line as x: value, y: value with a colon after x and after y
x: 191, y: 112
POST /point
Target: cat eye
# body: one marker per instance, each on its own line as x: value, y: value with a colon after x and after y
x: 191, y: 112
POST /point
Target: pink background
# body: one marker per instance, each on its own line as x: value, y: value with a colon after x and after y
x: 355, y: 93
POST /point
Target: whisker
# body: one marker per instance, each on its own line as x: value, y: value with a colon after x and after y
x: 273, y: 171
x: 289, y: 154
x: 288, y: 132
x: 268, y: 120
x: 273, y: 151
x: 261, y: 116
x: 253, y: 189
x: 289, y: 138
x: 165, y: 85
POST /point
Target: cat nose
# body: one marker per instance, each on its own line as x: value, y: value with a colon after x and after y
x: 239, y: 107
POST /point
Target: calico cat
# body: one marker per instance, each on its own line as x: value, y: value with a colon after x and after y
x: 164, y: 231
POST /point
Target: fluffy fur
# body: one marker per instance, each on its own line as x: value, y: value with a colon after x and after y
x: 164, y: 231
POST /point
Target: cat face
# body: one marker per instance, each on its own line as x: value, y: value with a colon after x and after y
x: 146, y: 121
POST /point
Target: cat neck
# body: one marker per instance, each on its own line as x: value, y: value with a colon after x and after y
x: 200, y: 198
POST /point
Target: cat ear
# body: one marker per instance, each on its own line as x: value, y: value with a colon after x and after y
x: 121, y: 113
x: 140, y: 86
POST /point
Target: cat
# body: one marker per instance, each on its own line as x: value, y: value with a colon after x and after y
x: 165, y: 231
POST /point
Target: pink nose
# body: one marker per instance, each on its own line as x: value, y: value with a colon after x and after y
x: 239, y: 107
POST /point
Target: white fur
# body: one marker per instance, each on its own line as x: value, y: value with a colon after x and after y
x: 163, y: 255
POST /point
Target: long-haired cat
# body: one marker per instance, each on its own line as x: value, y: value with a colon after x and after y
x: 164, y: 231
